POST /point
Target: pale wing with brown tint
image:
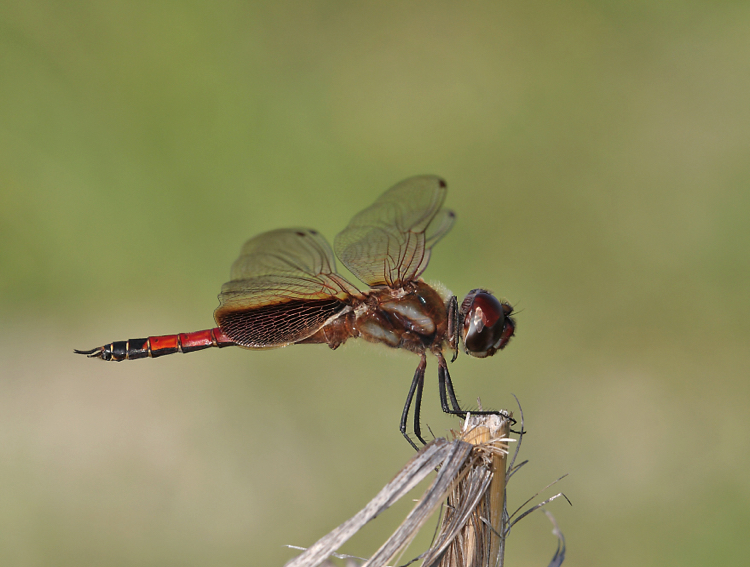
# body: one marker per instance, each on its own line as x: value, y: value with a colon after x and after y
x: 389, y: 243
x: 283, y: 288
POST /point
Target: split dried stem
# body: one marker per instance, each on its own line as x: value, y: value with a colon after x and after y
x: 477, y: 501
x: 471, y: 474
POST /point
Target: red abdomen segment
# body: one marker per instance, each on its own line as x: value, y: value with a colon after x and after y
x: 151, y: 347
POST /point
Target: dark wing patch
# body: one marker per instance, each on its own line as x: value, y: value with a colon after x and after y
x: 284, y: 287
x: 277, y: 325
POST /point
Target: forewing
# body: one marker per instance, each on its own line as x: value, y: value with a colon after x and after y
x: 389, y: 243
x: 283, y: 288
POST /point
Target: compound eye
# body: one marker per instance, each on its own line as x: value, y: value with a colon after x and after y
x: 485, y: 321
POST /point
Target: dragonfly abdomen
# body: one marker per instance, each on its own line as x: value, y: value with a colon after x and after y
x: 153, y: 347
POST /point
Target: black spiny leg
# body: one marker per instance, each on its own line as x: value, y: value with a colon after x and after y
x: 446, y: 392
x: 453, y: 326
x: 416, y: 386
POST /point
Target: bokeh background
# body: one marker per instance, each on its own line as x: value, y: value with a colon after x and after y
x: 598, y: 159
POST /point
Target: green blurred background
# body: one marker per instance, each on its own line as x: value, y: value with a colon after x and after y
x: 598, y: 159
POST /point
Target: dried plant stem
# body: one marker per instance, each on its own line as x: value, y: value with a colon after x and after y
x: 493, y: 431
x: 471, y: 533
x: 471, y: 475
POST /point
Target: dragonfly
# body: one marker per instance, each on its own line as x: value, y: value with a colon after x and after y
x: 284, y: 289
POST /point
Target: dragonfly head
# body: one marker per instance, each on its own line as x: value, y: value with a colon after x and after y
x: 487, y: 325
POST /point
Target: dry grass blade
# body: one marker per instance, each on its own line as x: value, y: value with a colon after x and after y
x: 472, y: 476
x: 527, y: 512
x: 559, y: 556
x: 451, y: 468
x: 540, y: 505
x: 421, y: 465
x: 462, y: 528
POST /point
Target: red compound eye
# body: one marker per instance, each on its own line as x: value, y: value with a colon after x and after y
x: 487, y: 326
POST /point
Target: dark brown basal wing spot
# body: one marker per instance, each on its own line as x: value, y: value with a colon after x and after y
x: 279, y: 324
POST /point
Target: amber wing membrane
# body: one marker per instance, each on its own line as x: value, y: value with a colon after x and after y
x: 283, y: 288
x: 389, y: 243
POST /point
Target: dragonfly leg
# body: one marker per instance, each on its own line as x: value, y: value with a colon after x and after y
x: 453, y: 326
x: 446, y: 392
x: 418, y: 406
x: 417, y: 384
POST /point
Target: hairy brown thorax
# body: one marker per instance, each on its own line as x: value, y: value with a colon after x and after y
x: 414, y: 318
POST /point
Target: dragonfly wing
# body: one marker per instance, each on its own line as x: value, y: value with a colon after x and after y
x: 283, y: 288
x: 389, y: 243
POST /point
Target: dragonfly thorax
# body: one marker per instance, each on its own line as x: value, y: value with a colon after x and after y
x: 417, y: 320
